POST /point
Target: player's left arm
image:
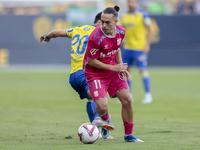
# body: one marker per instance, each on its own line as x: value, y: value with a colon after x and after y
x: 147, y: 22
x: 53, y: 34
x: 149, y: 37
x: 118, y: 57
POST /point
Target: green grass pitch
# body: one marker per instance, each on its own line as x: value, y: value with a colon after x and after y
x: 40, y: 111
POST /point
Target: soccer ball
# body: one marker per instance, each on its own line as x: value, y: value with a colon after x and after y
x: 88, y: 133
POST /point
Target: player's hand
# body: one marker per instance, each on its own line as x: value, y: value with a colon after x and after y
x: 43, y: 38
x: 127, y: 75
x: 120, y: 67
x: 146, y: 49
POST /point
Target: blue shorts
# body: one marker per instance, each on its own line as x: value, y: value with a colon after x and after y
x: 79, y: 84
x: 131, y: 56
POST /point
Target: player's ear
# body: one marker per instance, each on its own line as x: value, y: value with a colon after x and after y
x: 99, y: 23
x: 116, y: 21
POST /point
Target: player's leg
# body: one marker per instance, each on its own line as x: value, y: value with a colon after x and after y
x: 129, y: 59
x: 127, y: 115
x: 146, y: 82
x: 91, y: 106
x: 94, y: 116
x: 104, y: 121
x: 98, y: 90
x: 130, y: 82
x: 79, y: 84
x: 142, y: 65
x: 91, y: 110
x: 120, y: 88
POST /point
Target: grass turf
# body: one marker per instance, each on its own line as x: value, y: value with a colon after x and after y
x: 40, y: 110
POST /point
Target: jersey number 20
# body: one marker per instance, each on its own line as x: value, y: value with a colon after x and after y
x: 76, y: 40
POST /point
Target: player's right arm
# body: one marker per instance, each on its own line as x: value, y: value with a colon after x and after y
x: 147, y: 22
x: 98, y: 64
x: 53, y: 34
x: 93, y: 53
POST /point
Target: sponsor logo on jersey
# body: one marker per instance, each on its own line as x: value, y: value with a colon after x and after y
x: 98, y: 33
x: 102, y: 55
x: 93, y: 51
x: 96, y: 37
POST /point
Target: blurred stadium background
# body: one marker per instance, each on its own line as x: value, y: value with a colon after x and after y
x: 176, y: 23
x: 40, y: 110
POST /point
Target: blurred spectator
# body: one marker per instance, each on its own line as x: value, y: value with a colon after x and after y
x: 186, y: 7
x: 155, y: 7
x: 197, y: 7
x: 168, y: 7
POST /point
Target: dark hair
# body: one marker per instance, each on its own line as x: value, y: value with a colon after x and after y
x: 112, y: 10
x: 98, y: 17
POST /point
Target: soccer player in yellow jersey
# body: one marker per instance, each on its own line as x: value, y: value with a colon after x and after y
x: 79, y: 36
x: 137, y: 43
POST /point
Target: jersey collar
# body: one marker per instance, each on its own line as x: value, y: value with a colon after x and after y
x: 136, y: 9
x: 107, y: 35
x: 94, y: 25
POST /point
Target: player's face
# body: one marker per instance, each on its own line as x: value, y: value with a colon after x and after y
x: 108, y: 23
x: 132, y: 4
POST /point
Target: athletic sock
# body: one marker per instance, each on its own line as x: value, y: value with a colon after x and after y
x: 128, y: 127
x: 91, y: 110
x: 146, y: 82
x: 106, y: 117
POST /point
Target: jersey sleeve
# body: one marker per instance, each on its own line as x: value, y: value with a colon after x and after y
x: 93, y: 51
x: 69, y: 32
x: 147, y: 19
x: 123, y: 35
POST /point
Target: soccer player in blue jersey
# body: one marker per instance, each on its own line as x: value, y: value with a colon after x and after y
x: 79, y: 36
x: 137, y: 43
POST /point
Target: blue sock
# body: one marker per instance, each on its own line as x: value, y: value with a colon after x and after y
x: 91, y: 110
x: 146, y: 82
x: 129, y: 84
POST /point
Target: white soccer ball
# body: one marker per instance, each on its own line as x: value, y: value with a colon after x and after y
x: 88, y: 133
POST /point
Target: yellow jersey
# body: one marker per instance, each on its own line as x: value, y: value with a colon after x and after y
x: 79, y: 41
x: 135, y: 24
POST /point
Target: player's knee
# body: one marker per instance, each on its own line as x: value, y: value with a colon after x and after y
x: 144, y: 73
x: 102, y: 104
x: 127, y: 101
x: 103, y: 108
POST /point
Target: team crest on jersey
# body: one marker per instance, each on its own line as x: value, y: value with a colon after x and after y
x: 93, y: 51
x: 96, y: 93
x: 122, y: 76
x: 119, y: 41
